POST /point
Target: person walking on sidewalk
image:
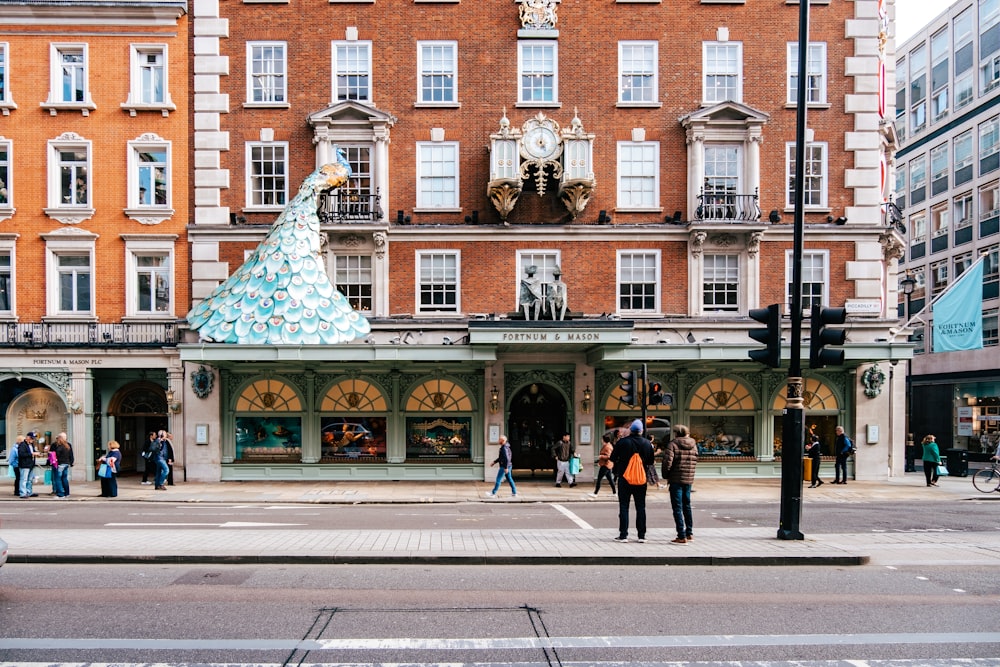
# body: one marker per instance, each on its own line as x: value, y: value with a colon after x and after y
x: 931, y: 459
x: 505, y: 460
x: 680, y: 458
x: 843, y: 448
x: 63, y: 451
x: 605, y: 466
x: 15, y: 472
x: 624, y: 449
x: 146, y: 459
x: 113, y: 457
x: 168, y: 456
x: 158, y: 460
x: 562, y: 451
x: 815, y: 451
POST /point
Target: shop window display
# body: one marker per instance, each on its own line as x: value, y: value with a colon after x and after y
x: 729, y: 436
x: 353, y: 438
x: 269, y: 439
x: 436, y: 439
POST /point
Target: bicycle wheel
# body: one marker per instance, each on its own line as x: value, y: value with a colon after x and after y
x: 986, y: 481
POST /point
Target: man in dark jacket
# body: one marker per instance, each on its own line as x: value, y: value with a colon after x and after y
x: 679, y: 462
x: 624, y: 448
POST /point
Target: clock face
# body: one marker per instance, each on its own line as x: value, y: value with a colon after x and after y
x: 540, y: 142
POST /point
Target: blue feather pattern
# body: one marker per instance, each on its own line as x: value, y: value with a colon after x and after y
x: 282, y: 294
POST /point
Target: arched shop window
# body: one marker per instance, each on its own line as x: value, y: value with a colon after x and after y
x: 349, y: 430
x: 716, y: 422
x: 439, y: 423
x: 267, y: 430
x: 822, y: 416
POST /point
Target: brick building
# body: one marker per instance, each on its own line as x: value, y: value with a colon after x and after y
x: 634, y: 156
x: 93, y: 206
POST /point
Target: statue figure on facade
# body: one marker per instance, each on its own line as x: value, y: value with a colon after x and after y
x: 557, y: 296
x: 532, y: 298
x: 282, y: 293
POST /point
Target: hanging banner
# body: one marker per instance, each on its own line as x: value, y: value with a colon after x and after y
x: 958, y: 313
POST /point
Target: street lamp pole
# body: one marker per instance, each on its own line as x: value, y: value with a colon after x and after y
x: 908, y: 284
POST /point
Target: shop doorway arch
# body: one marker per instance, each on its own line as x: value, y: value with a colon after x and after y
x: 536, y: 418
x: 138, y: 408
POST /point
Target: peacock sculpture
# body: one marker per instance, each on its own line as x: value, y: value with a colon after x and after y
x: 282, y: 294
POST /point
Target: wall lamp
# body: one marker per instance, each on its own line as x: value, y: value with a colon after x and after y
x: 175, y: 406
x: 585, y: 403
x: 603, y: 218
x: 774, y: 216
x: 494, y: 400
x: 842, y: 220
x: 402, y: 218
x: 473, y: 219
x: 237, y: 219
x: 676, y: 218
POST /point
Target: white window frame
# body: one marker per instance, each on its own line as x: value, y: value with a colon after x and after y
x: 918, y: 227
x: 656, y: 281
x: 6, y: 99
x: 349, y: 271
x: 62, y: 245
x: 819, y: 201
x: 988, y: 197
x: 963, y: 143
x: 148, y: 245
x: 437, y: 67
x: 964, y: 83
x: 940, y: 219
x: 710, y: 69
x: 8, y: 247
x: 249, y: 189
x: 455, y: 286
x: 740, y: 285
x: 68, y: 212
x: 989, y: 139
x: 139, y: 97
x: 339, y: 68
x: 815, y: 73
x: 152, y: 213
x: 551, y: 75
x: 645, y: 68
x: 963, y: 203
x: 918, y: 107
x: 55, y: 101
x: 545, y: 261
x: 277, y: 90
x: 6, y: 179
x: 438, y: 185
x: 939, y: 104
x: 813, y: 261
x: 939, y: 162
x: 643, y: 172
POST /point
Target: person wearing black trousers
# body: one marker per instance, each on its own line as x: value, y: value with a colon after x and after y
x: 815, y: 451
x: 168, y: 456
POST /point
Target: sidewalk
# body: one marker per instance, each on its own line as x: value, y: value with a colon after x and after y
x: 716, y: 546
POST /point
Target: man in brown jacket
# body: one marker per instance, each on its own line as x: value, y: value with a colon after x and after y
x: 679, y: 461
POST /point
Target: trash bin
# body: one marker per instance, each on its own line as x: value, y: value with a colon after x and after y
x: 958, y: 462
x: 807, y: 469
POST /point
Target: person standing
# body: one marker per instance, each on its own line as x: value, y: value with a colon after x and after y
x: 624, y: 449
x: 64, y: 461
x: 604, y: 465
x: 842, y: 448
x: 931, y: 458
x: 26, y: 465
x: 815, y: 451
x: 561, y: 452
x: 168, y: 456
x: 680, y: 459
x: 113, y: 457
x: 146, y: 458
x: 159, y: 462
x: 12, y: 462
x: 506, y: 462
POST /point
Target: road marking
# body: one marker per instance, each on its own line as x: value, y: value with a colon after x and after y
x: 227, y: 524
x: 573, y: 517
x: 497, y: 643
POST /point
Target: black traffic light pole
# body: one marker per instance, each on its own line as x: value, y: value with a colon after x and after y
x: 793, y: 425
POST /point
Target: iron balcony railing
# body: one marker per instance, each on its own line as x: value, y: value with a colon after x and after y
x: 725, y: 207
x: 88, y: 334
x: 349, y: 206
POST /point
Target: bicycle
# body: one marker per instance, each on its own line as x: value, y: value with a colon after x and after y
x: 988, y: 479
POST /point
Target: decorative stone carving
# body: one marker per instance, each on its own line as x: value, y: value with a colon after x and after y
x: 892, y: 248
x: 504, y: 195
x: 538, y: 14
x: 724, y: 240
x: 753, y: 243
x: 378, y: 238
x: 575, y: 197
x: 698, y: 242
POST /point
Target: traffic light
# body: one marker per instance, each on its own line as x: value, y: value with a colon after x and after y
x: 655, y: 394
x: 821, y: 336
x: 628, y: 388
x: 771, y: 336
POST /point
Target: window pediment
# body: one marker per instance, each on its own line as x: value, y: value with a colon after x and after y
x: 726, y: 112
x: 349, y: 114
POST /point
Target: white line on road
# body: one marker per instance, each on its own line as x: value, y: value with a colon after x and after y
x: 227, y: 524
x: 573, y: 517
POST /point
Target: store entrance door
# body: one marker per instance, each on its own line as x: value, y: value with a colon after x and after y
x: 536, y: 419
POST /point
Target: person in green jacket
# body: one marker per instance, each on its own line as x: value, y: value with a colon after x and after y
x: 932, y: 459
